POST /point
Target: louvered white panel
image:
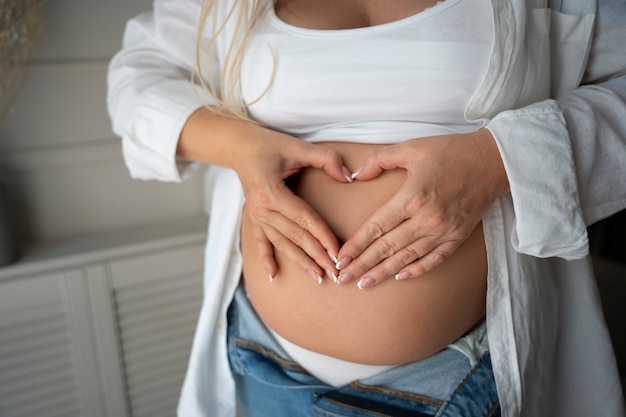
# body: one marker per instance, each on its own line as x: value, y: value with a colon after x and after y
x: 157, y: 301
x: 37, y: 366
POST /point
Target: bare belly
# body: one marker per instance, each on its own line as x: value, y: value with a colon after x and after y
x: 392, y: 323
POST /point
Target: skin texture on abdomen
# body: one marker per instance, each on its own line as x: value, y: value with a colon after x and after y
x: 392, y: 323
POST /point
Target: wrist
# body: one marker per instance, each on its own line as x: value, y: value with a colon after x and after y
x: 214, y: 138
x: 492, y: 163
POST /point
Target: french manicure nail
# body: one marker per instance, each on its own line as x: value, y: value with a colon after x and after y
x: 343, y: 262
x: 333, y: 276
x: 346, y: 174
x: 270, y: 277
x: 343, y: 278
x: 402, y: 276
x: 356, y: 173
x: 332, y: 257
x: 366, y: 282
x: 316, y: 277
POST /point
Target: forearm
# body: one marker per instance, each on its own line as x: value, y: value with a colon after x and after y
x: 216, y: 139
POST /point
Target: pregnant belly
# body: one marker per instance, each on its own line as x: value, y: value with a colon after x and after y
x: 392, y: 323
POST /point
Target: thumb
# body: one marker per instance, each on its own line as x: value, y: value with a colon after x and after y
x: 378, y: 161
x: 328, y: 160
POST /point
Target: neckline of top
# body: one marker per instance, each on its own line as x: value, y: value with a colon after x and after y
x: 424, y: 14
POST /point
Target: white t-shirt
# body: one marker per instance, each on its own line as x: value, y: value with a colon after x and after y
x: 409, y: 78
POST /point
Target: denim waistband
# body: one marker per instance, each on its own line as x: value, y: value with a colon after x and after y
x: 458, y: 357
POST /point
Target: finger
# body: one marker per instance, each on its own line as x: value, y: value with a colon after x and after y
x: 412, y: 264
x: 303, y: 218
x: 380, y: 160
x: 388, y: 254
x: 266, y: 253
x: 411, y: 269
x: 294, y: 253
x: 326, y: 159
x: 301, y: 238
x: 381, y: 221
x: 298, y: 221
x: 428, y: 262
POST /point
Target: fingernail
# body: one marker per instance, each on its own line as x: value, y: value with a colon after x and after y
x: 356, y: 173
x: 366, y: 282
x: 332, y: 257
x: 271, y: 278
x: 343, y: 278
x: 333, y: 276
x: 403, y: 275
x: 316, y: 277
x: 343, y: 262
x: 346, y: 174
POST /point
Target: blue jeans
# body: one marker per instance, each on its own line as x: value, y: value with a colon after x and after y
x: 270, y: 384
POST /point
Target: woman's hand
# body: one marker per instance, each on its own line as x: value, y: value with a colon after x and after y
x: 263, y: 159
x: 451, y: 182
x: 283, y: 221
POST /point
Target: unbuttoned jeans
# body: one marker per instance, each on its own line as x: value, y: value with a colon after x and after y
x: 270, y: 384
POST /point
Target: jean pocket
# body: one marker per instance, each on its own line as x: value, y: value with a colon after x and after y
x: 354, y: 401
x: 258, y: 352
x: 476, y: 396
x: 268, y: 367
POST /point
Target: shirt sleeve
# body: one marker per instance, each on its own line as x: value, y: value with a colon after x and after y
x: 566, y: 157
x: 150, y: 94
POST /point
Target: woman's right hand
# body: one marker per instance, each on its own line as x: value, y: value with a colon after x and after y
x: 283, y: 221
x: 263, y: 159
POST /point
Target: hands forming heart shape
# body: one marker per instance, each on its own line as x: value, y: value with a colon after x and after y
x: 451, y: 182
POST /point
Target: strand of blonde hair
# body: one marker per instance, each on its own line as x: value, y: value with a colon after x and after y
x: 224, y: 89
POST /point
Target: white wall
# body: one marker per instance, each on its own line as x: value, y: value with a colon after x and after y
x: 56, y: 146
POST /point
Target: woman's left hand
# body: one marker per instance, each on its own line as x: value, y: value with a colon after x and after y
x: 451, y: 182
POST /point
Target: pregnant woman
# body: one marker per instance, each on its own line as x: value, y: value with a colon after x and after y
x: 404, y: 79
x: 358, y: 141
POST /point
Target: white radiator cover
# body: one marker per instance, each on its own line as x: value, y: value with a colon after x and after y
x: 101, y: 326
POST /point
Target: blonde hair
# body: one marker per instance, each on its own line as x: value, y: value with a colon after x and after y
x: 224, y: 88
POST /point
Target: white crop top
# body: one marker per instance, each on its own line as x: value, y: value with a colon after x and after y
x: 381, y: 84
